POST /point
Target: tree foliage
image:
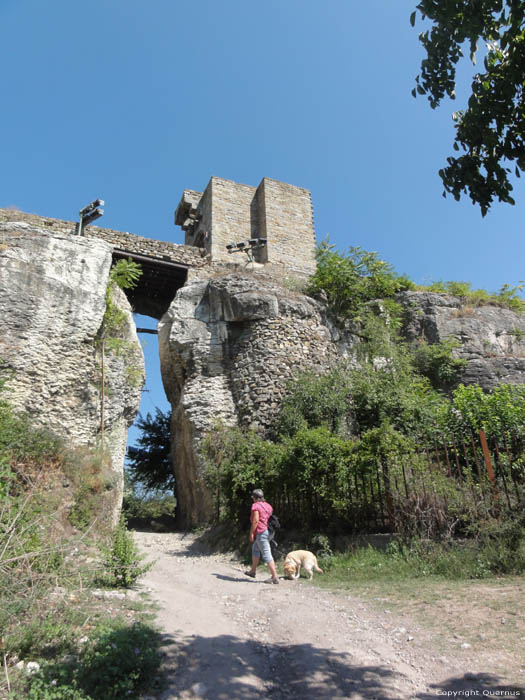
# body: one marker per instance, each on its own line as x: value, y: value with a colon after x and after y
x: 498, y: 412
x: 149, y: 462
x: 348, y: 281
x: 490, y: 131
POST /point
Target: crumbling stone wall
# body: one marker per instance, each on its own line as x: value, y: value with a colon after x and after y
x: 130, y: 242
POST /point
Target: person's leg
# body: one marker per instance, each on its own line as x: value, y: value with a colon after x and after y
x: 255, y: 564
x: 273, y: 571
x: 256, y: 556
x: 264, y: 546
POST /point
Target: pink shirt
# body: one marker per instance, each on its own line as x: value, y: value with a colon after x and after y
x: 265, y: 510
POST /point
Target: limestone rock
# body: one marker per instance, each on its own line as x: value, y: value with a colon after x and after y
x: 228, y: 347
x: 492, y: 338
x: 52, y: 302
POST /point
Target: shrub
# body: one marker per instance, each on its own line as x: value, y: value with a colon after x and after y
x: 89, y: 470
x: 314, y: 400
x: 507, y: 297
x: 437, y: 363
x: 237, y: 462
x: 148, y: 506
x: 122, y: 559
x: 119, y: 662
x: 348, y: 281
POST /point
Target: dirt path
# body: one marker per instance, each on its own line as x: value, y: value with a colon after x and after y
x: 229, y: 637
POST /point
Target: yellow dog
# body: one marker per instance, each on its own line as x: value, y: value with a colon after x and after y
x: 300, y: 558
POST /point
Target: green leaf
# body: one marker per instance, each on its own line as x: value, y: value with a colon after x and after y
x: 413, y: 18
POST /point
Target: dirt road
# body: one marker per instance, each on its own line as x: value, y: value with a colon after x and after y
x: 229, y: 637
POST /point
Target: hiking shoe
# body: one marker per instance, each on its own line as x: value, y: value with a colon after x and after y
x: 273, y: 580
x: 249, y: 573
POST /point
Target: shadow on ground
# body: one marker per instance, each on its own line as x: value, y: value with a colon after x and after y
x: 471, y: 685
x: 228, y: 668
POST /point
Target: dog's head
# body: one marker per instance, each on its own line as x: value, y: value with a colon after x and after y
x: 290, y: 567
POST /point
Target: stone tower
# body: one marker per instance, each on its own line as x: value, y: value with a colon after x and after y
x: 228, y: 212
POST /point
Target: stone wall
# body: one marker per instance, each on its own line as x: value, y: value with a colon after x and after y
x: 164, y: 250
x: 229, y: 212
x: 287, y: 224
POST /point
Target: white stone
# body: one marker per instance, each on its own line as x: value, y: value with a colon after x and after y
x: 52, y: 303
x: 32, y: 667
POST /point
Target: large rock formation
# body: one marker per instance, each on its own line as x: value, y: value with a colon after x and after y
x: 492, y: 338
x: 228, y: 347
x: 52, y: 304
x: 230, y: 344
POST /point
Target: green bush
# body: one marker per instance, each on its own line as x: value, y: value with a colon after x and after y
x: 314, y: 400
x: 149, y: 506
x: 437, y: 363
x: 237, y: 462
x: 120, y: 661
x: 44, y: 638
x: 405, y: 560
x: 122, y: 559
x: 89, y: 470
x: 350, y: 280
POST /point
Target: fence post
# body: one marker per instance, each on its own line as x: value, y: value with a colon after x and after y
x: 490, y: 470
x: 388, y: 493
x: 501, y: 469
x: 510, y: 469
x: 218, y: 489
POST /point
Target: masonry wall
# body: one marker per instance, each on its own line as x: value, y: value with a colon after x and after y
x: 229, y: 212
x: 130, y: 242
x: 231, y: 216
x: 287, y: 224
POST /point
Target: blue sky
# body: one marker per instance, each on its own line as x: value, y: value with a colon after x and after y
x: 134, y: 102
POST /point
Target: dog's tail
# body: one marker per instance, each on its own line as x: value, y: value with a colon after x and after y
x: 317, y: 567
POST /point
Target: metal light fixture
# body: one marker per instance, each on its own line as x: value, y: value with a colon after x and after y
x: 90, y: 213
x: 246, y: 246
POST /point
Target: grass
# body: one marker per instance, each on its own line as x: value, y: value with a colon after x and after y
x: 448, y: 594
x: 86, y: 646
x: 89, y: 644
x: 507, y: 297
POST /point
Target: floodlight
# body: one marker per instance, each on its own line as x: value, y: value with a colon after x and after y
x: 90, y: 213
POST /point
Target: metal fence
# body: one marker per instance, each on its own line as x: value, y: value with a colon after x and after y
x: 485, y: 473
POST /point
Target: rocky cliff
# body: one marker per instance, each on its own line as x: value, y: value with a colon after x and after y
x: 52, y: 304
x: 491, y: 338
x: 230, y: 344
x: 228, y: 347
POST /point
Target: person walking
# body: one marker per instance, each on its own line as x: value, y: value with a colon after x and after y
x: 259, y: 535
